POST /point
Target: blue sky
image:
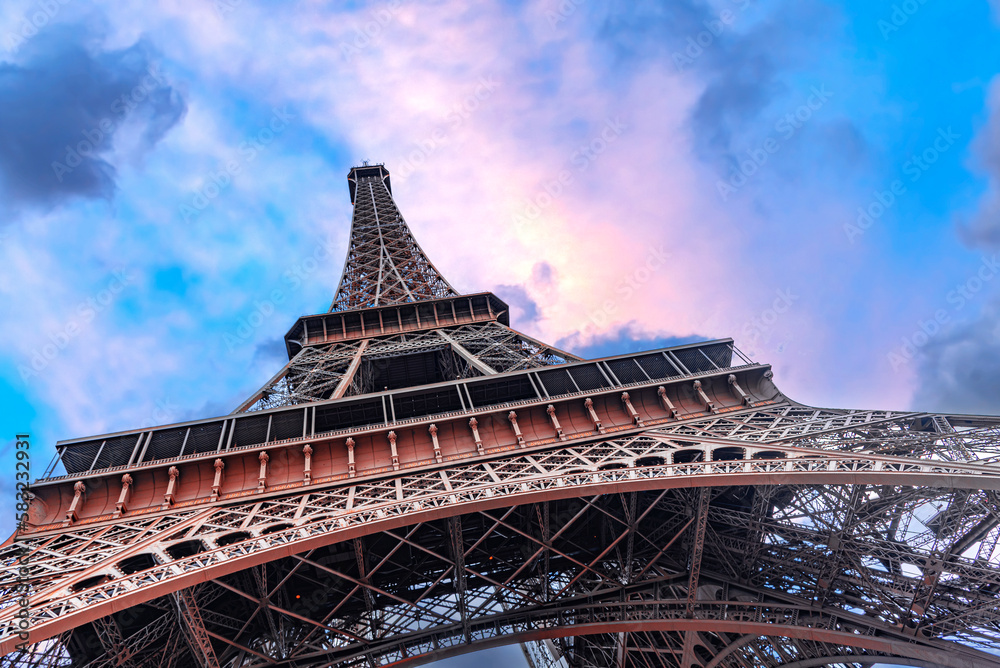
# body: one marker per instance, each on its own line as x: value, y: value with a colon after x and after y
x: 818, y: 180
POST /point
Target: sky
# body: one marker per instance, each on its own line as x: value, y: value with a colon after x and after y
x: 818, y: 180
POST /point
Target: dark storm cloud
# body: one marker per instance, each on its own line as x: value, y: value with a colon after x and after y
x: 525, y: 309
x: 270, y: 354
x: 731, y: 102
x: 747, y: 73
x: 61, y: 104
x: 517, y: 297
x: 627, y: 338
x: 984, y: 227
x: 738, y: 50
x: 960, y: 368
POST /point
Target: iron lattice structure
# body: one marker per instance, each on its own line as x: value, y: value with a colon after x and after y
x: 421, y: 480
x: 385, y: 264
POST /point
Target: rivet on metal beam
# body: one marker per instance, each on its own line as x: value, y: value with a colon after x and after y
x: 631, y: 410
x: 588, y: 403
x: 512, y: 416
x: 667, y: 404
x: 551, y: 410
x: 474, y: 425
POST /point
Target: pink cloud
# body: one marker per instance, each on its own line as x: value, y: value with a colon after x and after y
x: 476, y: 111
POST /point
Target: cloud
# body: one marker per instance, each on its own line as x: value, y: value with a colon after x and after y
x: 475, y: 127
x: 960, y: 369
x: 498, y: 657
x: 525, y: 309
x: 66, y: 102
x: 596, y: 99
x: 270, y: 354
x: 740, y: 54
x: 629, y: 338
x: 983, y: 229
x: 747, y: 69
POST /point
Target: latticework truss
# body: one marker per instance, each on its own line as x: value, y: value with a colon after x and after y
x: 702, y: 523
x: 384, y: 265
x: 804, y: 552
x: 350, y: 369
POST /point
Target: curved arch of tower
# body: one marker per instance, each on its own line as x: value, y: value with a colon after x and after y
x: 421, y: 480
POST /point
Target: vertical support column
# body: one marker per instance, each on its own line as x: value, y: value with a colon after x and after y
x: 697, y: 548
x: 138, y: 445
x: 512, y: 416
x: 458, y: 559
x: 835, y: 543
x: 168, y: 498
x: 120, y: 507
x: 222, y: 434
x: 474, y: 426
x: 437, y: 446
x: 262, y: 478
x: 217, y: 482
x: 350, y: 457
x: 373, y: 616
x: 193, y: 626
x: 588, y: 403
x: 112, y: 642
x: 307, y: 468
x: 551, y: 410
x: 395, y: 455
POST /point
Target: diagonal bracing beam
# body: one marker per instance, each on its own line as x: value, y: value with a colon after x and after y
x: 189, y: 617
x: 697, y: 549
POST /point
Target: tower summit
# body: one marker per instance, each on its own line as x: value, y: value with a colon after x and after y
x: 385, y: 264
x: 395, y: 321
x: 421, y: 480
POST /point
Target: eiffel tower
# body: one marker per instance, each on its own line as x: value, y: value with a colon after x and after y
x: 421, y: 480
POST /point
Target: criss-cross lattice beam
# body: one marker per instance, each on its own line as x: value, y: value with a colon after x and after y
x: 903, y: 529
x: 412, y: 579
x: 385, y: 264
x: 189, y: 616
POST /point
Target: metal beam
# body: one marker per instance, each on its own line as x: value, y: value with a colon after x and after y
x: 189, y: 617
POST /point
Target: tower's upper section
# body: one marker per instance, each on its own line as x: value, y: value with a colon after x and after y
x: 365, y: 171
x: 385, y: 264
